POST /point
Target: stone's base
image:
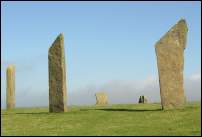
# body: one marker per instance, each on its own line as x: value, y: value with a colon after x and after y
x: 56, y: 110
x: 170, y: 107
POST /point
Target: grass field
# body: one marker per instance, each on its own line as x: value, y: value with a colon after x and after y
x: 131, y: 119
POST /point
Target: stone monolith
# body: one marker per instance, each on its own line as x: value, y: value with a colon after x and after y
x: 57, y: 76
x: 101, y: 98
x: 170, y: 61
x: 143, y: 100
x: 10, y: 89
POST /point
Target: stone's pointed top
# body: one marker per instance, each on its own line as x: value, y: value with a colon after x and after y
x: 182, y: 21
x: 176, y: 34
x: 181, y: 30
x: 11, y: 66
x: 61, y: 36
x: 59, y: 41
x: 181, y: 27
x: 182, y: 24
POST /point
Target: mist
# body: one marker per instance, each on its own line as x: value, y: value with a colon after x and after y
x: 118, y: 92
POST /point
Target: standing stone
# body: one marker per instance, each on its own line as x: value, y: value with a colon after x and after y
x: 170, y: 61
x: 143, y: 100
x: 57, y: 76
x: 10, y: 89
x: 101, y: 98
x: 140, y: 99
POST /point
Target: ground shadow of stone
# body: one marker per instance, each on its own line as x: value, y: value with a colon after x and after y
x: 124, y: 110
x: 34, y: 113
x: 4, y: 114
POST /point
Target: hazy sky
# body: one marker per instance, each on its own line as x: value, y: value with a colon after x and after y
x: 109, y: 46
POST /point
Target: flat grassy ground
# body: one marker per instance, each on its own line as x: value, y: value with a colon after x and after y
x: 132, y: 119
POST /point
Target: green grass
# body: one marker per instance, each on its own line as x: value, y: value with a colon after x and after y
x: 131, y: 119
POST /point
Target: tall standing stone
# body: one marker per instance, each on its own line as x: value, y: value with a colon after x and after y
x: 57, y: 76
x: 10, y: 89
x: 101, y: 98
x: 170, y: 61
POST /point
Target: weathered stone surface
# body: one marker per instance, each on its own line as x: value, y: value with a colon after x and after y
x: 170, y: 61
x: 57, y: 76
x: 101, y: 98
x: 10, y: 89
x: 143, y: 100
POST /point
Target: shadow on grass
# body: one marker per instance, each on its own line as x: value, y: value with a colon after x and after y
x: 4, y: 114
x: 25, y: 113
x: 34, y: 113
x: 122, y: 109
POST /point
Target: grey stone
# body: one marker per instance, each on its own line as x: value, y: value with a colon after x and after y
x: 57, y: 76
x: 170, y: 61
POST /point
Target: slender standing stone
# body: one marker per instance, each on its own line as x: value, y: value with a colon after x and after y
x: 57, y: 76
x: 140, y: 99
x: 170, y: 61
x: 10, y: 90
x: 143, y: 100
x: 101, y: 98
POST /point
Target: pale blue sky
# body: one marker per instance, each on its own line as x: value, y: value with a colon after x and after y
x: 104, y: 41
